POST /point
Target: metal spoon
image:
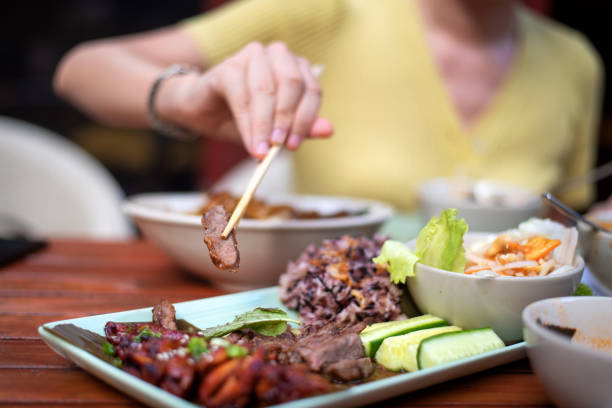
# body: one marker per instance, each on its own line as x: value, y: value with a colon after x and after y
x: 587, y: 230
x: 551, y: 199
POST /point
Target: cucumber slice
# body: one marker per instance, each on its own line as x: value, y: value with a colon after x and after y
x: 373, y: 337
x: 446, y: 347
x: 400, y: 352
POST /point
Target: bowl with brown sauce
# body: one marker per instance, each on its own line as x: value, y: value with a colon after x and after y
x: 569, y: 345
x: 273, y: 231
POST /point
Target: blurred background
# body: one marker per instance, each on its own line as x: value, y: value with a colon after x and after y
x: 35, y: 34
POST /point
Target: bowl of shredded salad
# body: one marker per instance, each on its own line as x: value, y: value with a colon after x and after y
x: 475, y: 279
x: 502, y: 274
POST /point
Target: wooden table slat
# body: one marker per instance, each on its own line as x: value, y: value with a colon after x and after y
x: 49, y: 385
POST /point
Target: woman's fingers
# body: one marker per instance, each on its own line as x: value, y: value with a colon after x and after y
x: 321, y: 129
x: 228, y: 80
x: 308, y: 107
x: 290, y: 88
x: 273, y: 96
x: 262, y: 89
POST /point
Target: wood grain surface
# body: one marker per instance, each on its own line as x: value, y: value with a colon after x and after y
x: 79, y: 278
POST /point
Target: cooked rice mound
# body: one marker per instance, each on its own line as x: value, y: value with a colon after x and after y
x: 338, y: 281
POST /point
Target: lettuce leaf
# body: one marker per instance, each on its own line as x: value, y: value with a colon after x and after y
x: 440, y: 242
x: 583, y: 290
x: 399, y: 260
x: 266, y: 321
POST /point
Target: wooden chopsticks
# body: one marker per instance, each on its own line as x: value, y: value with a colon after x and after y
x: 257, y: 176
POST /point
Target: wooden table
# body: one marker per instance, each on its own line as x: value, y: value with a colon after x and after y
x: 79, y: 278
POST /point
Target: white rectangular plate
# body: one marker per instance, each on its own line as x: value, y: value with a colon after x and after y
x: 217, y: 310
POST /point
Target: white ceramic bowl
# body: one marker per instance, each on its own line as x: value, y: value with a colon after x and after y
x: 265, y: 245
x: 574, y: 375
x: 471, y: 301
x: 475, y: 201
x: 599, y: 256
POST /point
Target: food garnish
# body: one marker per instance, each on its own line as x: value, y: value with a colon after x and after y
x: 439, y: 244
x: 400, y: 260
x: 197, y: 346
x: 108, y: 349
x: 372, y: 336
x: 146, y: 332
x: 446, y: 347
x: 399, y: 353
x: 266, y: 321
x: 583, y: 290
x: 234, y: 351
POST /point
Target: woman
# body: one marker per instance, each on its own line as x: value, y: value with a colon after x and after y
x: 414, y: 89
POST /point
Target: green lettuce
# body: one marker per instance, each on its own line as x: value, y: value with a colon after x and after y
x: 266, y: 321
x: 439, y: 244
x: 399, y: 260
x: 583, y: 290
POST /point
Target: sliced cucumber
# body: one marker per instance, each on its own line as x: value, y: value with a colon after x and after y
x: 400, y: 352
x: 373, y: 336
x: 446, y: 347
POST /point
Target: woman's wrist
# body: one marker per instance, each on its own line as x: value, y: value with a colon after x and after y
x: 168, y: 102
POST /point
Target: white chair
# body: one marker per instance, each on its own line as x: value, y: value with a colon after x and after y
x: 54, y: 188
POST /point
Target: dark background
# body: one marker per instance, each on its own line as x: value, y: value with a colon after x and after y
x: 35, y: 34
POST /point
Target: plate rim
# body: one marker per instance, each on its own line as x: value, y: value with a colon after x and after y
x: 378, y: 212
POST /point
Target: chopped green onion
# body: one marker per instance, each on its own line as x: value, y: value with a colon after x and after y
x: 117, y: 362
x: 197, y: 346
x: 235, y: 350
x: 108, y: 349
x: 146, y: 332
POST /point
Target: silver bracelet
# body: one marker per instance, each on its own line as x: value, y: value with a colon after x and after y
x: 155, y: 121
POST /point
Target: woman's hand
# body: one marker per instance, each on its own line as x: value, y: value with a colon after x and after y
x: 265, y: 95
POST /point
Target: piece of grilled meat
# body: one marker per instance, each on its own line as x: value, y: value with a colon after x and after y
x: 223, y: 252
x: 164, y: 315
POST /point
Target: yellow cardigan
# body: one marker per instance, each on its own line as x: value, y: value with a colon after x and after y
x: 395, y: 124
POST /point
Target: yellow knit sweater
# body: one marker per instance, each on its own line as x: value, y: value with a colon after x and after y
x: 395, y: 124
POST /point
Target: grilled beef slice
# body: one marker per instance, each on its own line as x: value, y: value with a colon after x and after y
x: 223, y: 252
x: 334, y: 349
x: 164, y: 315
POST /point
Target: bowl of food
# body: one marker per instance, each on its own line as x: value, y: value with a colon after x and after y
x: 486, y: 205
x: 569, y: 345
x: 499, y: 275
x: 272, y: 231
x: 599, y: 251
